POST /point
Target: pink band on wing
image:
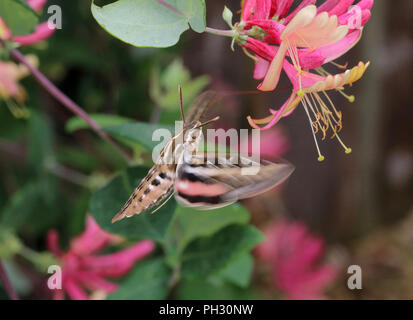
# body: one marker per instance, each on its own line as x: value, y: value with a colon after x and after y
x: 200, y: 189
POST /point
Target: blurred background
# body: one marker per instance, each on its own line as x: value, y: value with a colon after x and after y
x: 360, y: 205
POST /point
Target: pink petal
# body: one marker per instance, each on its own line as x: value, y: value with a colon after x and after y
x: 328, y: 6
x: 261, y: 49
x: 366, y: 4
x: 307, y: 80
x: 277, y: 115
x: 36, y: 4
x: 119, y: 263
x: 272, y: 77
x: 273, y: 28
x: 346, y: 18
x: 248, y: 9
x: 52, y: 242
x: 341, y: 7
x: 263, y: 9
x: 261, y: 68
x: 333, y: 51
x: 42, y: 32
x: 94, y: 282
x: 74, y: 290
x: 92, y: 240
x: 283, y: 7
x: 302, y: 5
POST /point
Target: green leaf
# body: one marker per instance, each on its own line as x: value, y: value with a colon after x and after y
x: 41, y: 136
x: 194, y: 10
x: 209, y: 255
x: 190, y: 223
x: 147, y: 23
x: 19, y: 17
x: 107, y: 201
x: 239, y: 272
x: 104, y: 120
x: 147, y: 281
x: 140, y: 132
x: 164, y: 86
x: 190, y: 90
x: 21, y: 206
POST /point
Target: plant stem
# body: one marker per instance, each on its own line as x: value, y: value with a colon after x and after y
x: 67, y: 102
x: 7, y: 284
x: 218, y: 32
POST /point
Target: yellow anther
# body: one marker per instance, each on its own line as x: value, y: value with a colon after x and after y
x: 301, y: 93
x: 321, y: 158
x: 349, y: 150
x: 351, y: 99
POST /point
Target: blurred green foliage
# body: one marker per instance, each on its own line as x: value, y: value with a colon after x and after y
x: 55, y: 170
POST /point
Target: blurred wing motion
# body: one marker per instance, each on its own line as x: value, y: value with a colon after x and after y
x: 201, y: 105
x: 206, y: 183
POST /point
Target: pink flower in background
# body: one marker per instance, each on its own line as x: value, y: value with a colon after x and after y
x: 83, y: 270
x: 41, y: 33
x: 294, y: 255
x: 10, y: 75
x: 273, y: 144
x: 296, y: 42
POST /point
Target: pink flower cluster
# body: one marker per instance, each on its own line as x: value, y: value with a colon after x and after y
x: 83, y: 269
x: 297, y: 42
x: 41, y: 33
x: 294, y: 255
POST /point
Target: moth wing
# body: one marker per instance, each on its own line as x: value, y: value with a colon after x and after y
x: 208, y: 183
x: 201, y: 105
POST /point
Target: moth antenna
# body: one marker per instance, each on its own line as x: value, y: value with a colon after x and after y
x: 181, y: 103
x: 207, y: 122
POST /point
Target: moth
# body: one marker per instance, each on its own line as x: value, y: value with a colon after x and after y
x: 200, y: 180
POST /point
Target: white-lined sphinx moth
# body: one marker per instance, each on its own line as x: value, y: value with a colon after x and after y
x: 206, y: 180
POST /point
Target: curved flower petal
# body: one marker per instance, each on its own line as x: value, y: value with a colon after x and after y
x: 302, y: 5
x: 261, y: 68
x: 92, y: 240
x: 42, y: 33
x: 36, y: 5
x: 119, y: 263
x: 75, y: 290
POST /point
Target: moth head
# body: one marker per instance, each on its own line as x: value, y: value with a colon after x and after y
x: 194, y: 133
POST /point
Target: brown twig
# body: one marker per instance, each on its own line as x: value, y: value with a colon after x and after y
x: 66, y: 101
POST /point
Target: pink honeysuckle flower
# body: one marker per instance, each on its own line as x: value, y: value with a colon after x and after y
x: 300, y: 41
x: 10, y: 75
x: 294, y: 255
x: 41, y: 33
x: 83, y: 270
x: 310, y: 89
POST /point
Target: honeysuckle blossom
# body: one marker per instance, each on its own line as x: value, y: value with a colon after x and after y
x: 11, y: 91
x: 41, y: 33
x: 84, y: 270
x: 294, y: 255
x: 296, y: 42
